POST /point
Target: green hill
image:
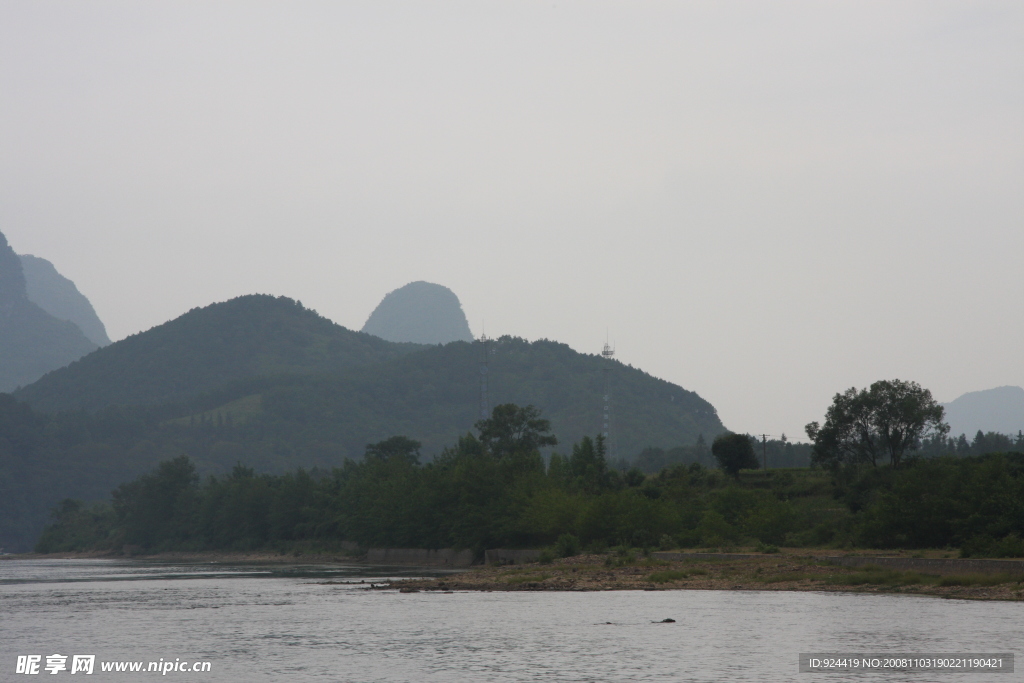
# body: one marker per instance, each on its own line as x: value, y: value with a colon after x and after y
x: 204, y: 349
x: 433, y: 395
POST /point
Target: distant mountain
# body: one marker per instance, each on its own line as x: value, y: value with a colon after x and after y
x: 422, y: 313
x: 32, y: 342
x: 204, y: 349
x: 59, y: 297
x: 992, y: 410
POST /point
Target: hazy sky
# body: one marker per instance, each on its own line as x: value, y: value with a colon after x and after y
x: 764, y: 202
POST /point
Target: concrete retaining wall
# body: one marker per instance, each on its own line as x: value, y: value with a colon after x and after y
x: 505, y: 556
x: 934, y: 566
x: 444, y: 557
x: 676, y: 557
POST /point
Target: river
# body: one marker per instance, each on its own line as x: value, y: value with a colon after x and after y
x: 302, y: 623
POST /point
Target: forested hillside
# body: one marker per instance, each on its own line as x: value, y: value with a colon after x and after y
x: 434, y: 394
x: 276, y: 423
x: 251, y: 336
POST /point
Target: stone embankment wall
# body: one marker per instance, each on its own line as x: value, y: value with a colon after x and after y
x: 444, y: 557
x: 676, y: 557
x: 506, y: 556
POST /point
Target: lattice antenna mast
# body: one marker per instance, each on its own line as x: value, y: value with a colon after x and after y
x: 608, y: 352
x: 485, y: 406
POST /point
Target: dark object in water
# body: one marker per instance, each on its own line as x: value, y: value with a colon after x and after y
x: 666, y: 621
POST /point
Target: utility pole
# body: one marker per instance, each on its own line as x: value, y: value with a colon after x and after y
x: 764, y: 453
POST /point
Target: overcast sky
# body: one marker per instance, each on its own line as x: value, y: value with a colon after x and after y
x: 764, y: 202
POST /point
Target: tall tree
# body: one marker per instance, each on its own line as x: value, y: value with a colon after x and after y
x: 515, y: 429
x: 400, y: 447
x: 734, y: 452
x: 887, y: 419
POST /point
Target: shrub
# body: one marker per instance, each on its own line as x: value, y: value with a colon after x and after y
x: 667, y: 576
x: 621, y: 556
x: 547, y: 556
x: 982, y: 546
x: 872, y: 575
x: 568, y: 545
x: 527, y: 578
x: 980, y: 579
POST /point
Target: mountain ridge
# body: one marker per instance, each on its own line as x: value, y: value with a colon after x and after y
x: 203, y: 349
x: 1000, y: 409
x: 58, y: 296
x: 32, y: 342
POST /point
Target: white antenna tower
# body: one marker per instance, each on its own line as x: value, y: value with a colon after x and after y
x: 608, y: 352
x: 485, y: 408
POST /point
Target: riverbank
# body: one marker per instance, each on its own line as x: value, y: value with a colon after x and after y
x: 790, y: 570
x: 773, y: 572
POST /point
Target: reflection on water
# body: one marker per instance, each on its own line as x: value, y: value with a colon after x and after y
x: 318, y: 623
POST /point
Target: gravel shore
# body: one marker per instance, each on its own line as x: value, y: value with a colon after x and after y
x: 767, y: 572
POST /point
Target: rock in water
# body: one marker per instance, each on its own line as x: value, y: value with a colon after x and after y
x: 420, y: 312
x: 59, y: 297
x: 32, y: 342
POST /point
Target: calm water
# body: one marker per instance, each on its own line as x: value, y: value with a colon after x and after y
x: 285, y: 624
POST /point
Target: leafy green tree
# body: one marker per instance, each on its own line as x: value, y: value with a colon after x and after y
x: 734, y: 452
x: 400, y: 447
x: 77, y: 526
x: 568, y: 545
x: 634, y: 477
x: 588, y: 465
x: 514, y: 429
x: 160, y: 506
x: 887, y: 419
x: 700, y: 450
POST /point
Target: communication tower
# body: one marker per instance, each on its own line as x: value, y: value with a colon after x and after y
x: 485, y: 408
x: 608, y: 352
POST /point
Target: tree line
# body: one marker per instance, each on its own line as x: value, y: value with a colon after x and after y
x: 492, y: 488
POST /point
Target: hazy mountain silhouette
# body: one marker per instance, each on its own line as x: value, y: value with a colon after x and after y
x: 992, y: 410
x: 59, y: 297
x: 32, y: 342
x: 419, y: 312
x: 251, y: 336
